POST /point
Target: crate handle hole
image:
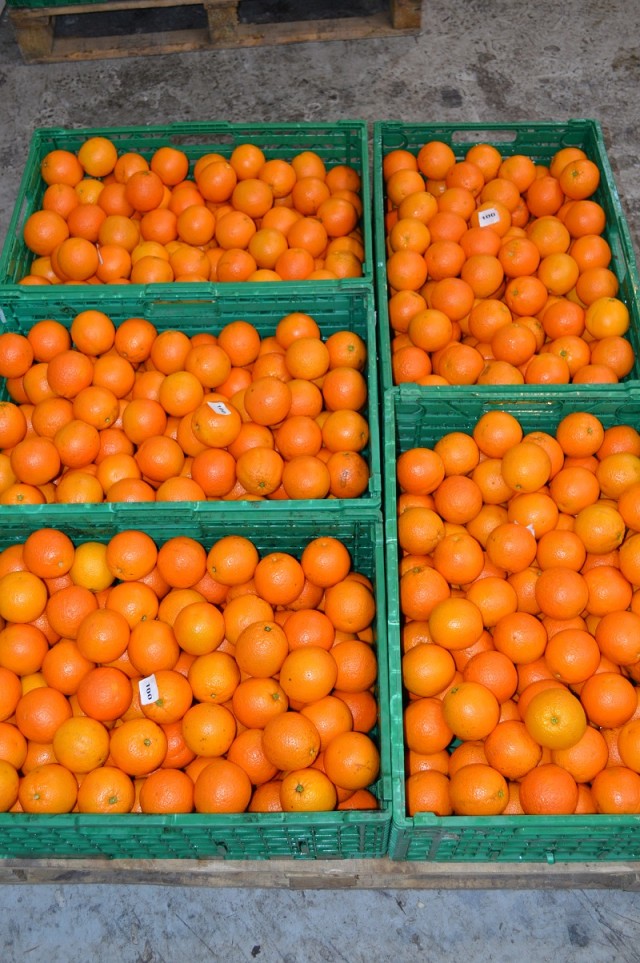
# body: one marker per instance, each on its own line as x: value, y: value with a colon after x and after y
x: 479, y: 136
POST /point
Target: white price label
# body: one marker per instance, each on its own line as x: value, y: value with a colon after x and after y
x: 148, y: 689
x: 488, y: 217
x: 219, y: 407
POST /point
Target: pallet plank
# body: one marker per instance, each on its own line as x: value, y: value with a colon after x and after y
x: 329, y: 874
x: 36, y: 36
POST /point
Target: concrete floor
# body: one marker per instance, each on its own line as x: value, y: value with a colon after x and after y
x: 479, y: 60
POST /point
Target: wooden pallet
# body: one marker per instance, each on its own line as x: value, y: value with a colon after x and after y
x: 35, y: 29
x: 319, y: 874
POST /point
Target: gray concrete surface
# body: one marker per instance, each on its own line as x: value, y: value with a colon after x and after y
x: 474, y: 60
x: 144, y: 925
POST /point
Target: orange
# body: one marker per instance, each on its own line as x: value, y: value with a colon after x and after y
x: 222, y: 787
x: 427, y: 669
x: 255, y: 701
x: 174, y: 698
x: 511, y: 749
x: 458, y: 557
x: 247, y: 751
x: 555, y: 718
x: 616, y: 790
x: 428, y: 791
x: 9, y: 783
x: 470, y: 710
x: 152, y: 646
x: 81, y: 744
x: 586, y: 758
x: 199, y: 628
x: 495, y: 671
x: 11, y: 692
x: 138, y: 746
x: 182, y: 561
x: 23, y: 596
x: 50, y: 788
x: 561, y: 593
x: 214, y: 677
x: 325, y: 561
x: 572, y: 655
x: 609, y: 699
x: 455, y: 623
x: 261, y: 649
x: 350, y: 605
x: 64, y: 666
x: 103, y: 635
x: 351, y: 760
x: 478, y: 790
x: 13, y: 745
x: 308, y: 673
x: 548, y: 790
x: 600, y: 527
x: 48, y: 553
x: 208, y: 729
x: 279, y: 578
x: 291, y: 741
x: 496, y: 432
x: 167, y: 791
x: 307, y: 790
x: 421, y: 589
x: 40, y: 712
x: 104, y: 693
x: 425, y: 727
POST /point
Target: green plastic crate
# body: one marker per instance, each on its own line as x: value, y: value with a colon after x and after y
x: 332, y: 835
x: 540, y: 141
x: 412, y: 418
x: 343, y: 142
x: 166, y: 308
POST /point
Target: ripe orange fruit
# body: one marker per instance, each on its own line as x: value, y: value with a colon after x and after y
x: 609, y: 699
x: 307, y: 790
x: 261, y: 649
x: 351, y: 760
x: 308, y: 673
x: 49, y: 788
x: 586, y: 759
x: 104, y: 693
x: 208, y: 729
x: 81, y: 744
x: 40, y: 712
x: 167, y: 791
x: 478, y: 790
x: 548, y: 790
x: 291, y: 741
x: 555, y: 718
x: 470, y: 710
x: 222, y: 787
x: 138, y: 746
x: 512, y: 750
x: 616, y: 790
x: 425, y: 727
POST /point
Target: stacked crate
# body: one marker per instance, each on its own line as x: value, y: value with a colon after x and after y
x: 284, y: 526
x: 418, y: 416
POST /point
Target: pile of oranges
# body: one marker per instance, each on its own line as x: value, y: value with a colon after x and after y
x: 498, y: 271
x: 520, y: 598
x: 118, y: 219
x: 137, y: 677
x: 99, y: 413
